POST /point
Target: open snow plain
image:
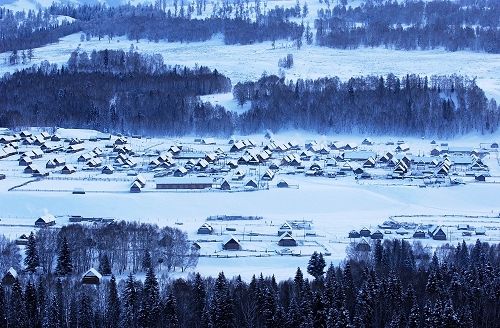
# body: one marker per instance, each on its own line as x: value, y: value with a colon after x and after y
x: 324, y: 209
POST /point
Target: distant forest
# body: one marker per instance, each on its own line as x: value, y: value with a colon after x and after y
x: 127, y: 92
x: 412, y: 25
x: 395, y: 284
x: 29, y: 30
x: 115, y: 91
x: 464, y: 25
x: 439, y: 105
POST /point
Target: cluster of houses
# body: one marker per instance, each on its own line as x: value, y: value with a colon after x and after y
x: 285, y: 237
x: 91, y: 277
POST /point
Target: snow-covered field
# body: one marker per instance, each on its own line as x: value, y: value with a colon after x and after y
x: 334, y: 206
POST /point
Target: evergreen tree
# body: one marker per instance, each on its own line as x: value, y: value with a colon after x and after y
x: 199, y: 295
x: 17, y: 312
x: 31, y: 261
x: 31, y: 305
x: 3, y: 307
x: 130, y: 299
x: 112, y: 305
x: 85, y: 313
x: 146, y: 261
x: 171, y: 318
x: 52, y: 315
x: 64, y: 263
x: 150, y: 307
x: 222, y: 307
x: 104, y: 265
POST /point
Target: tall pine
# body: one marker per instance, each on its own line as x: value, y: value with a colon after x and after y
x: 31, y: 261
x: 64, y: 263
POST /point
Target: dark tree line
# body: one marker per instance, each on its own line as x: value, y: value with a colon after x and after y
x: 393, y: 285
x: 115, y: 91
x: 414, y: 105
x: 25, y: 31
x: 412, y: 25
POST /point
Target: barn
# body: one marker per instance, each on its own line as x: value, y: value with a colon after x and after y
x: 285, y: 228
x: 437, y: 233
x: 91, y: 277
x: 354, y: 234
x: 68, y: 169
x: 184, y: 183
x: 231, y: 244
x: 45, y: 221
x: 287, y: 240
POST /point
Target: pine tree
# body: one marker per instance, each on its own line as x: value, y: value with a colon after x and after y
x: 112, y: 305
x: 130, y: 299
x: 3, y: 307
x: 199, y: 295
x: 318, y: 311
x: 146, y: 261
x: 415, y: 317
x: 222, y: 309
x: 17, y: 313
x: 150, y: 307
x: 64, y: 263
x: 60, y: 302
x: 171, y: 317
x: 316, y: 265
x: 31, y: 261
x: 104, y: 265
x: 298, y: 284
x: 85, y: 313
x: 31, y: 305
x: 52, y: 315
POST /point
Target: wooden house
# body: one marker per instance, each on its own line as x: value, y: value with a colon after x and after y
x: 91, y: 277
x: 437, y: 233
x: 9, y: 277
x: 369, y: 163
x: 68, y: 169
x: 285, y: 228
x: 205, y: 229
x: 135, y: 187
x: 480, y: 231
x: 268, y: 175
x: 480, y: 177
x: 287, y: 240
x: 180, y: 172
x: 354, y: 234
x: 184, y: 183
x: 419, y: 234
x: 231, y: 244
x: 282, y: 184
x: 25, y: 161
x: 46, y: 220
x: 225, y: 185
x: 377, y: 235
x: 365, y: 232
x: 108, y: 169
x: 362, y: 246
x: 251, y: 184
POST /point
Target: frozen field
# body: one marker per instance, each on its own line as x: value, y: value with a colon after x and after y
x: 333, y: 207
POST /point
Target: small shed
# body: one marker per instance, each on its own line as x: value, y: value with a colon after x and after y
x: 91, y: 277
x: 46, y: 220
x: 205, y: 229
x: 287, y: 240
x: 480, y: 231
x: 282, y: 184
x: 9, y: 277
x: 232, y: 244
x: 225, y: 185
x: 480, y: 177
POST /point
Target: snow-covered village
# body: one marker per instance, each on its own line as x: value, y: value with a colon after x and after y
x: 249, y: 163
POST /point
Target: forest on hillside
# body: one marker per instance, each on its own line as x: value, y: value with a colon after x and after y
x: 127, y: 92
x: 408, y: 25
x: 412, y: 25
x: 395, y: 284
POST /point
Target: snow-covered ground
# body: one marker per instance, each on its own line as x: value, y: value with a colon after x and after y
x: 334, y: 206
